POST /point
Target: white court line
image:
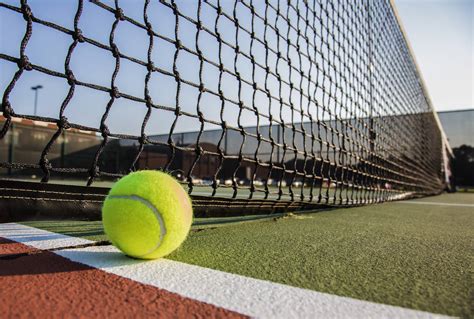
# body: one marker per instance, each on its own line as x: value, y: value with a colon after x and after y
x: 435, y: 203
x: 248, y: 296
x: 38, y: 238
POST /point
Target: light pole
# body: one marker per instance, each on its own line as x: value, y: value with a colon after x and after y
x: 36, y: 88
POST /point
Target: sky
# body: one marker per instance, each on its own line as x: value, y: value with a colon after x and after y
x: 441, y: 33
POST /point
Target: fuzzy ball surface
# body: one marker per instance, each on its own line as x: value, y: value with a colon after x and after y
x: 147, y: 214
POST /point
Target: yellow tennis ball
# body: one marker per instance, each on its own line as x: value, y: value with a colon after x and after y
x: 147, y: 214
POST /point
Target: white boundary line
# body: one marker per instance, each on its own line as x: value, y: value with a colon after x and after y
x: 38, y: 238
x: 248, y: 296
x: 435, y: 203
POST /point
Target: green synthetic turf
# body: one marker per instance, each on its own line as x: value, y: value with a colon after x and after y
x: 91, y: 230
x: 414, y: 256
x: 417, y: 258
x: 454, y: 198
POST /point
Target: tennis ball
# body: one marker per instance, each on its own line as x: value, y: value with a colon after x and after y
x: 147, y: 214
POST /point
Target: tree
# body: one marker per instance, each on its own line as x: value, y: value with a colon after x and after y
x: 464, y: 165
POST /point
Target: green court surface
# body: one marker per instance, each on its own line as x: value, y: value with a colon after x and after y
x: 417, y: 256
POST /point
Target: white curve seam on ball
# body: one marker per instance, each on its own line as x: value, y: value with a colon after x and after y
x: 155, y: 212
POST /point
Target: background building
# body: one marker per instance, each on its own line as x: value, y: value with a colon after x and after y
x: 331, y: 147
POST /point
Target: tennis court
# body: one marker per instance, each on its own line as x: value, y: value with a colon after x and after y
x: 412, y: 254
x: 321, y: 179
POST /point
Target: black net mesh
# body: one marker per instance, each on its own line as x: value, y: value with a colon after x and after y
x: 277, y: 101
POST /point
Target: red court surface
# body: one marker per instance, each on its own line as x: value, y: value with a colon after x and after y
x: 37, y: 283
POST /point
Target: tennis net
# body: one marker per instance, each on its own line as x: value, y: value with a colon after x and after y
x: 257, y: 105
